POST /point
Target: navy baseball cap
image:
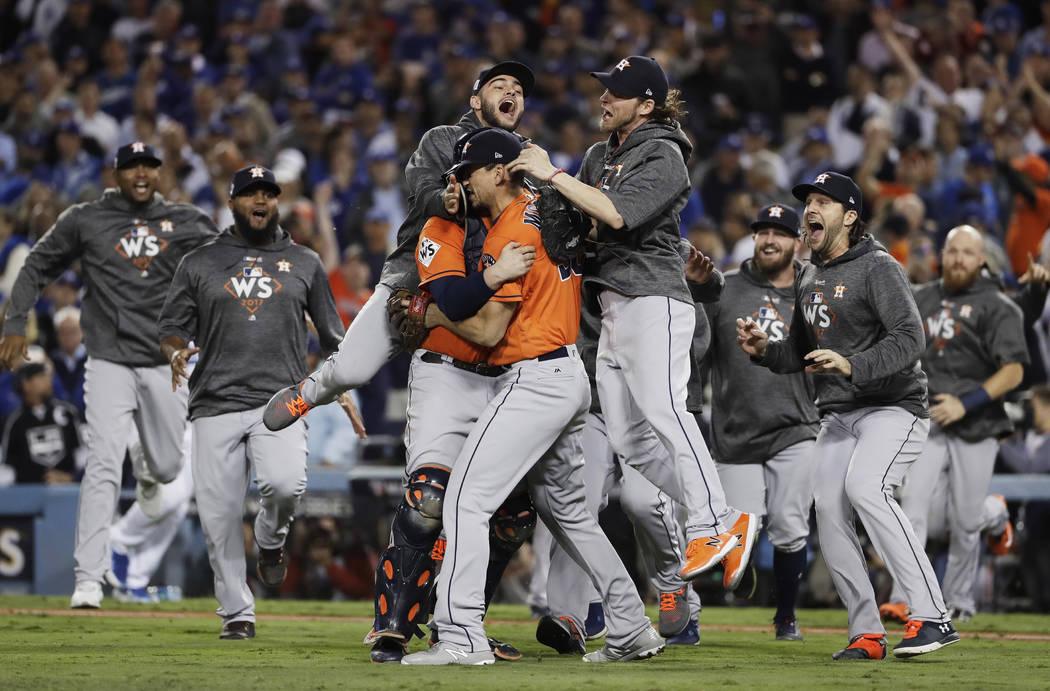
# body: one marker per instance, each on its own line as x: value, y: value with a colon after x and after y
x: 637, y: 76
x: 835, y: 185
x: 249, y: 178
x: 482, y: 147
x: 778, y: 216
x: 133, y: 153
x: 509, y: 68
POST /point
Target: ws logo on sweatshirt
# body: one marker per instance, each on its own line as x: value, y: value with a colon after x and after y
x: 817, y: 313
x: 942, y: 327
x: 768, y: 319
x: 252, y: 287
x: 140, y: 245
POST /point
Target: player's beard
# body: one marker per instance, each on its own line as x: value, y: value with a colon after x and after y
x: 955, y: 281
x: 261, y: 236
x: 490, y: 114
x: 771, y: 266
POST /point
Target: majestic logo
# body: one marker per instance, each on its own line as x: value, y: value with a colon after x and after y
x: 253, y: 286
x: 285, y: 266
x: 776, y: 212
x: 428, y: 249
x: 140, y: 245
x: 840, y: 290
x: 623, y: 64
x: 138, y: 148
x: 821, y: 179
x: 257, y: 172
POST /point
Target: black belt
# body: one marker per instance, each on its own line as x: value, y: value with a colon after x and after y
x: 481, y: 368
x: 555, y: 354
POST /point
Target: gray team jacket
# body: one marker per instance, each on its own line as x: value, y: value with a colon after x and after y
x: 860, y: 306
x: 128, y: 256
x: 245, y: 307
x: 969, y: 336
x: 424, y: 179
x: 647, y: 180
x: 755, y: 414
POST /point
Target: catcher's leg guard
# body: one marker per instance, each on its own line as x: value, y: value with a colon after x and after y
x: 509, y: 528
x: 405, y: 574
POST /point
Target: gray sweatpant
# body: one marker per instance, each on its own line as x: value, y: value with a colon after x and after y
x: 225, y: 448
x: 861, y: 457
x: 366, y: 346
x: 954, y: 474
x: 117, y: 397
x: 530, y: 429
x: 781, y: 489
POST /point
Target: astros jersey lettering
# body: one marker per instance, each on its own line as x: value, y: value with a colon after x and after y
x: 251, y: 300
x: 550, y: 314
x: 439, y: 254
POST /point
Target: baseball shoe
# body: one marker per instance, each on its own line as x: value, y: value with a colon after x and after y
x: 674, y: 612
x: 86, y: 595
x: 894, y: 611
x: 446, y: 654
x: 504, y: 651
x: 738, y: 559
x: 867, y: 646
x: 704, y: 552
x: 150, y: 496
x: 690, y: 635
x: 595, y: 626
x: 922, y: 637
x: 645, y: 645
x: 960, y: 614
x: 1002, y: 543
x: 238, y: 631
x: 138, y: 596
x: 272, y: 567
x: 284, y: 408
x: 388, y: 650
x: 787, y: 629
x: 561, y: 634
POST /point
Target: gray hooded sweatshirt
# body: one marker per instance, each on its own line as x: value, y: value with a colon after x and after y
x: 859, y: 305
x: 128, y: 254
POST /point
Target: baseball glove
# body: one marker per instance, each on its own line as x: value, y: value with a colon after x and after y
x: 563, y: 227
x: 408, y: 323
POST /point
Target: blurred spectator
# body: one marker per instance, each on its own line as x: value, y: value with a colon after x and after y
x: 716, y: 95
x: 75, y: 169
x: 41, y: 437
x: 725, y: 176
x: 849, y: 113
x: 805, y: 74
x: 93, y: 122
x: 351, y: 284
x: 1028, y: 177
x: 814, y: 156
x: 70, y: 357
x: 316, y: 572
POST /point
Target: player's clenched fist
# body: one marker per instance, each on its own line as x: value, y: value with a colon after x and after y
x: 514, y: 261
x: 752, y: 339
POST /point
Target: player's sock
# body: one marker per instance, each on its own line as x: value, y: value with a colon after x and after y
x: 499, y: 557
x: 788, y: 568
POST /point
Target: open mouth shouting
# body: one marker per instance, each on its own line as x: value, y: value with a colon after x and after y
x: 259, y: 217
x: 814, y: 230
x: 508, y: 106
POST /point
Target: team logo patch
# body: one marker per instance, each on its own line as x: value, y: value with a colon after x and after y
x: 816, y: 297
x: 767, y: 313
x: 138, y: 148
x: 965, y: 311
x: 140, y: 245
x: 166, y: 226
x: 257, y: 172
x: 428, y: 249
x: 776, y: 211
x: 821, y: 179
x: 285, y: 266
x: 622, y: 65
x: 252, y: 287
x: 487, y: 260
x: 840, y: 290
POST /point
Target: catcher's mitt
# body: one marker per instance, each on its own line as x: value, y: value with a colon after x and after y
x: 408, y: 323
x: 563, y: 227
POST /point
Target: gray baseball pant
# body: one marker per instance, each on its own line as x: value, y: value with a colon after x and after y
x: 531, y: 429
x: 225, y: 448
x: 117, y: 397
x: 366, y: 346
x: 781, y: 489
x: 962, y: 471
x: 642, y: 371
x: 861, y: 456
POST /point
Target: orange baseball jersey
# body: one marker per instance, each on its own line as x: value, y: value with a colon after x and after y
x: 439, y: 253
x: 549, y: 314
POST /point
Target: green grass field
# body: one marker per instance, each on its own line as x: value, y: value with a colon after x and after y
x: 317, y: 645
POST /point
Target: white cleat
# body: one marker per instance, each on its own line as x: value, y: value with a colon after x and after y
x: 87, y: 595
x: 442, y: 653
x: 647, y: 644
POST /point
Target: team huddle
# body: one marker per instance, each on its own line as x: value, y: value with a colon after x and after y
x: 548, y: 365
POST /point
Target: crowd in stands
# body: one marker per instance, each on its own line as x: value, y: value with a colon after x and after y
x: 940, y: 109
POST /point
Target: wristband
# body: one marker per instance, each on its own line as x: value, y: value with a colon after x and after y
x: 554, y: 174
x: 975, y: 399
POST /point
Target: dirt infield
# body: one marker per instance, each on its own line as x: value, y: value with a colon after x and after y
x: 127, y: 614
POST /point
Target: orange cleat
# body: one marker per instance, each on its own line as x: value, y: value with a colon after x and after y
x: 1004, y: 542
x: 736, y: 561
x: 894, y: 611
x: 867, y: 646
x: 704, y: 552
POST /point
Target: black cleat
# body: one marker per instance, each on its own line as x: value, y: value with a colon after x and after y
x: 504, y: 651
x: 388, y: 649
x: 561, y: 634
x: 922, y: 637
x: 237, y: 631
x: 867, y: 646
x: 272, y: 567
x: 787, y: 629
x: 284, y: 408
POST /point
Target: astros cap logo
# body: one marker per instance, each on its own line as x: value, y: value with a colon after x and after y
x: 821, y: 179
x: 138, y: 147
x: 622, y: 64
x: 257, y: 172
x: 776, y: 211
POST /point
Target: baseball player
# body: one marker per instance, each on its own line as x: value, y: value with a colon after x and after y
x: 975, y: 354
x: 437, y: 425
x: 763, y: 425
x: 129, y: 243
x: 498, y: 100
x: 243, y: 299
x: 857, y: 328
x: 634, y: 185
x: 530, y: 429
